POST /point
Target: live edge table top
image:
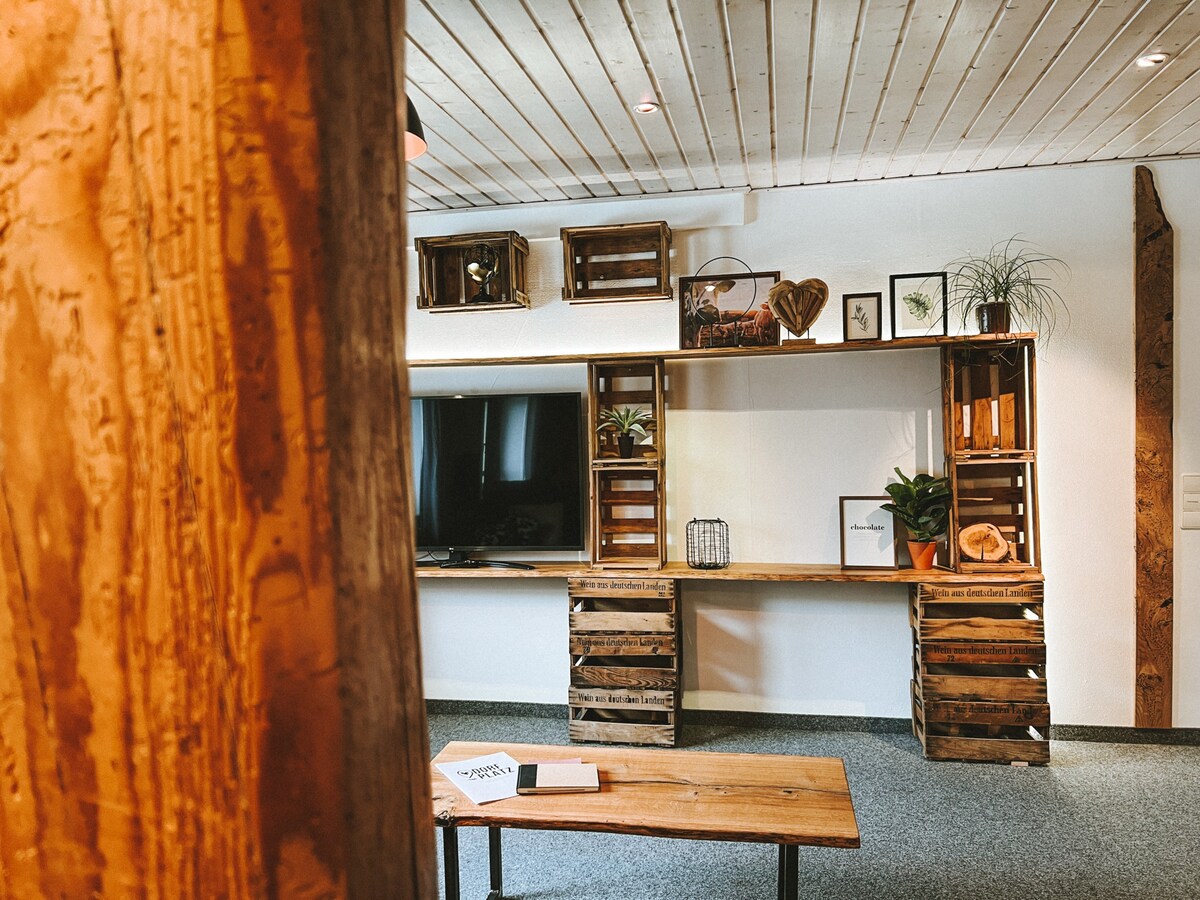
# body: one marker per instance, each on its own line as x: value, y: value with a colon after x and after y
x: 670, y: 793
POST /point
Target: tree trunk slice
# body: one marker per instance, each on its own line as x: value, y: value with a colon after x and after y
x: 982, y: 542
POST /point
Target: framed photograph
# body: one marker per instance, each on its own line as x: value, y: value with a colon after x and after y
x: 727, y: 311
x: 918, y: 304
x: 860, y: 317
x: 868, y: 534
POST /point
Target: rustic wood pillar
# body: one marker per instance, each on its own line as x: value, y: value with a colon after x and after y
x: 1154, y: 305
x: 175, y: 572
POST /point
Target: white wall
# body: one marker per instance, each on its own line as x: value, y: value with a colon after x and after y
x: 769, y: 444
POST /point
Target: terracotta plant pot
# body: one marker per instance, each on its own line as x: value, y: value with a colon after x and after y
x: 922, y: 553
x: 992, y: 318
x: 625, y: 445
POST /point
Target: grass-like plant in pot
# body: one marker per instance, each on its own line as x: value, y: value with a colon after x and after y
x: 1010, y: 287
x: 627, y: 422
x: 922, y: 503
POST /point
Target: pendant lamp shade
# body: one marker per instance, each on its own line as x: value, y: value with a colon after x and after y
x: 414, y: 134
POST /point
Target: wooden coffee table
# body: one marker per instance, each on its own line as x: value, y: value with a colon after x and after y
x: 784, y: 800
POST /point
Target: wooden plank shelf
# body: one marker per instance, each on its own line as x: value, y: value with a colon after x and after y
x: 915, y: 343
x: 742, y: 572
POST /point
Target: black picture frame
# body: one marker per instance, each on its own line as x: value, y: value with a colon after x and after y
x: 852, y: 330
x: 905, y: 323
x: 861, y: 549
x: 743, y: 318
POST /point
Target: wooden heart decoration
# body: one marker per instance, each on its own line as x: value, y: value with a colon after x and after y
x: 797, y: 306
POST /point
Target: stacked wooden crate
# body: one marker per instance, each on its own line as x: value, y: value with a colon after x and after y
x: 979, y: 672
x: 627, y: 498
x: 624, y: 644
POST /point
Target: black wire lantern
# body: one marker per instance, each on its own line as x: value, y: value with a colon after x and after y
x: 707, y: 544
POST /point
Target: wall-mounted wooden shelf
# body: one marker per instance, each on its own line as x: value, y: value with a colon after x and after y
x: 917, y: 343
x: 742, y: 572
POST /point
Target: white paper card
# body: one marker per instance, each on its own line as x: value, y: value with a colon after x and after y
x: 484, y: 778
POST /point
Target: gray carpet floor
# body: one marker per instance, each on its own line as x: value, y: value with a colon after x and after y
x: 1101, y: 821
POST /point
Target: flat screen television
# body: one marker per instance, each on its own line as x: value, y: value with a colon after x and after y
x: 498, y: 472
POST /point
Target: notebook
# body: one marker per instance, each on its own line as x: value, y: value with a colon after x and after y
x: 554, y: 778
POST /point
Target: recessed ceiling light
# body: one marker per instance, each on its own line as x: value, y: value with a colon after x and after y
x: 646, y: 107
x: 1150, y: 60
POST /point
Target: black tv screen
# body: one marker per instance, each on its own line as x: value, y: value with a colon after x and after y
x: 498, y: 472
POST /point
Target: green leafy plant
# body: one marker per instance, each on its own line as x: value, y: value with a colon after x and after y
x: 921, y: 503
x: 1012, y: 273
x: 625, y: 420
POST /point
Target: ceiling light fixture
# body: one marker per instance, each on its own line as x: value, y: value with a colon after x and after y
x: 414, y: 134
x: 646, y: 107
x: 1150, y: 60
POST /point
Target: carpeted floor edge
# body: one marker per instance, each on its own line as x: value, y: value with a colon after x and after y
x: 794, y: 722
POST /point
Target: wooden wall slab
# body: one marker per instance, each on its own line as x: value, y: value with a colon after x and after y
x: 1154, y: 305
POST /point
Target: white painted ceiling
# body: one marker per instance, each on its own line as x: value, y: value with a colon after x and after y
x: 531, y: 100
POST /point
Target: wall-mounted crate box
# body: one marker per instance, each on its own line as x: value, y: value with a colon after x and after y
x: 991, y: 400
x: 624, y: 648
x: 446, y: 265
x: 609, y: 263
x: 979, y: 687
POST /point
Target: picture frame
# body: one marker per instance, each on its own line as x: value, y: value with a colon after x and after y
x: 727, y: 311
x: 918, y: 301
x: 868, y: 534
x: 861, y: 315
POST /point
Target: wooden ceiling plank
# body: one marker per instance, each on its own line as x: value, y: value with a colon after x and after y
x: 1124, y: 81
x: 1001, y: 50
x: 1179, y: 109
x: 836, y: 24
x: 481, y: 144
x: 1179, y: 143
x: 941, y: 40
x: 420, y: 176
x: 873, y: 62
x: 969, y: 31
x: 451, y: 166
x: 1145, y: 109
x: 790, y: 21
x: 1028, y: 67
x: 419, y: 198
x: 658, y: 32
x: 746, y: 24
x: 703, y: 32
x: 497, y: 43
x: 1099, y: 53
x: 443, y: 56
x: 625, y: 65
x: 560, y: 26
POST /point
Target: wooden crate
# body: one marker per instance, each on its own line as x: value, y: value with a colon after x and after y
x: 991, y: 400
x: 446, y: 286
x: 979, y: 689
x: 624, y: 648
x: 609, y: 263
x: 622, y: 385
x: 1003, y: 493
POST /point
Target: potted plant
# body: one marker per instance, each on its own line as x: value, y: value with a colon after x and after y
x: 1009, y: 287
x: 922, y: 504
x: 627, y: 421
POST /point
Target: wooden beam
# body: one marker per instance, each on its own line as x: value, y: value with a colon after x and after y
x: 390, y: 831
x: 1154, y: 304
x: 184, y: 571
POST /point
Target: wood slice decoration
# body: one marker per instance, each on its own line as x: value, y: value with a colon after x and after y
x: 983, y: 542
x: 797, y: 306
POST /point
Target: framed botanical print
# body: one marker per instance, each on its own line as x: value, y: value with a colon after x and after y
x: 861, y: 317
x: 727, y: 311
x: 918, y: 304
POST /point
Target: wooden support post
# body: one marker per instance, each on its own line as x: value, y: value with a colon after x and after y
x: 196, y: 576
x: 1154, y: 304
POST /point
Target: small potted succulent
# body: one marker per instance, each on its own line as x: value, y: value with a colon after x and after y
x: 922, y: 503
x: 627, y: 422
x: 1009, y: 287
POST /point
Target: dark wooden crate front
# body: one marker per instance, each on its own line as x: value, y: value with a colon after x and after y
x: 624, y: 648
x: 1002, y: 493
x: 628, y: 528
x: 617, y: 263
x: 992, y: 403
x: 445, y: 285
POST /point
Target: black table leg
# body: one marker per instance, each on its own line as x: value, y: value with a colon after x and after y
x: 495, y: 864
x: 789, y: 872
x: 450, y: 861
